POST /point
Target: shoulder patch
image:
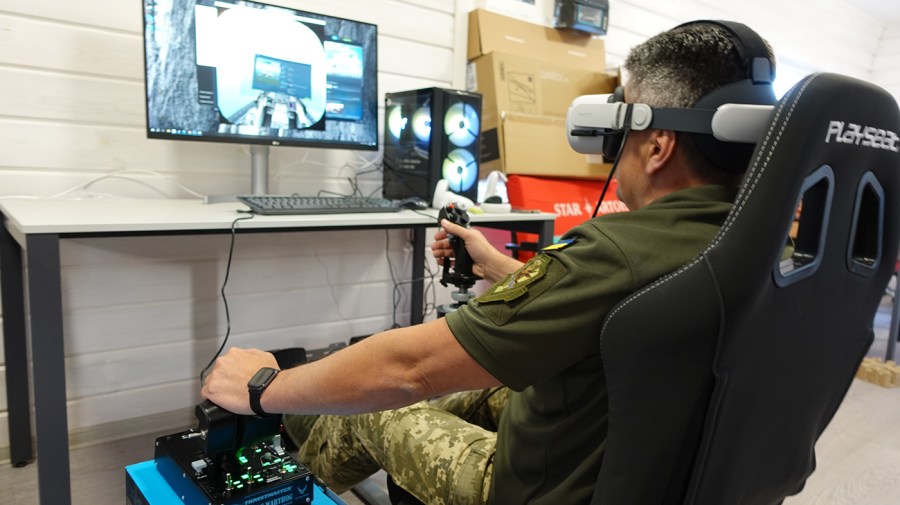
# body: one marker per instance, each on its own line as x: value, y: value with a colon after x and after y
x: 562, y: 244
x: 514, y: 285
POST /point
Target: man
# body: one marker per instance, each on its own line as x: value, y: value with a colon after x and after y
x: 535, y: 331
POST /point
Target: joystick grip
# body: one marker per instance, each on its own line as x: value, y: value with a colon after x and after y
x: 454, y: 214
x: 461, y: 274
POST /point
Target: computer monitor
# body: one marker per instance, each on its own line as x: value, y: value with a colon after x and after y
x: 252, y: 73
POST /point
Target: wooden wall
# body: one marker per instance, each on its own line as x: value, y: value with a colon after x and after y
x: 142, y: 316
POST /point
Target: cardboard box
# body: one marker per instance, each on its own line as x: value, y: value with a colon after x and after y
x: 490, y: 32
x: 528, y: 75
x: 524, y: 103
x: 536, y: 145
x: 512, y: 83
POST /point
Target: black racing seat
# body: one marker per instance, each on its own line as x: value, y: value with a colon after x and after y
x: 722, y: 375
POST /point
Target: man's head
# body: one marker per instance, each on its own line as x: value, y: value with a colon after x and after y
x: 675, y: 69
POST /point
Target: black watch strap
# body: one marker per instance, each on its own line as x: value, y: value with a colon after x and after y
x: 257, y: 386
x: 255, y: 403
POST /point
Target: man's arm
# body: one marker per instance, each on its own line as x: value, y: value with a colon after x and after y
x: 388, y: 370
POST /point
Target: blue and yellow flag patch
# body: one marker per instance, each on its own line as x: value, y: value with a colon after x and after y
x: 562, y: 244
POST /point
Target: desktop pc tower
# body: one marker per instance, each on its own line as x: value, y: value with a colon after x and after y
x: 431, y: 134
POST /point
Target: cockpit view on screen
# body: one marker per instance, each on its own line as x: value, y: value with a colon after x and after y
x: 239, y: 71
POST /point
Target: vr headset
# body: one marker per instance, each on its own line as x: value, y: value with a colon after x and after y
x: 726, y: 123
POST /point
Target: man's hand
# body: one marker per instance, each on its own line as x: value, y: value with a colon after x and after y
x: 226, y: 384
x: 488, y: 263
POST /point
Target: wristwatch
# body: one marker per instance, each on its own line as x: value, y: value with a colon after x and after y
x: 257, y: 385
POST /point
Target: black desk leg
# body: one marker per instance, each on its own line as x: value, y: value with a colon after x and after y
x: 545, y: 235
x: 16, y: 348
x: 48, y: 358
x: 417, y: 302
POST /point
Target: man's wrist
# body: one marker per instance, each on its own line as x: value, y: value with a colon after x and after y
x: 257, y: 385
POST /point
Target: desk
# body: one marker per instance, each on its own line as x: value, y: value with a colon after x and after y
x: 30, y: 236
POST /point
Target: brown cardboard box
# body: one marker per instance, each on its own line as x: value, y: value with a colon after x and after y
x: 511, y: 83
x: 489, y: 32
x: 532, y: 96
x: 528, y: 75
x: 537, y: 145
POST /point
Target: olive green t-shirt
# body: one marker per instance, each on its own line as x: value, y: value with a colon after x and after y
x: 538, y: 332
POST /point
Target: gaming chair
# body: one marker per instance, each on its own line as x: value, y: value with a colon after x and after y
x: 722, y: 375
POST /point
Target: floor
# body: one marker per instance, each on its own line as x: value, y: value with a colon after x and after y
x: 858, y: 456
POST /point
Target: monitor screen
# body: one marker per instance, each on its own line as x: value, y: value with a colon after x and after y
x: 247, y: 72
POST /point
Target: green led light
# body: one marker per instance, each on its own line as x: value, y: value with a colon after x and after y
x: 245, y: 476
x: 258, y: 449
x: 242, y: 459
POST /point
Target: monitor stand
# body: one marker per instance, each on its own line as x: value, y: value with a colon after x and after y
x: 259, y: 176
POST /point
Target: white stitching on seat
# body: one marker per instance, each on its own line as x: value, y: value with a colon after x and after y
x: 740, y: 201
x: 746, y: 194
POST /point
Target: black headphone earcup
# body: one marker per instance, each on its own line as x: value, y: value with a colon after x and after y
x: 730, y: 156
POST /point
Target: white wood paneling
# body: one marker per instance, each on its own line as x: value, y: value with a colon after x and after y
x: 112, y: 14
x: 45, y: 44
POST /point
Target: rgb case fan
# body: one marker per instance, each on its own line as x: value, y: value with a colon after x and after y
x: 431, y: 134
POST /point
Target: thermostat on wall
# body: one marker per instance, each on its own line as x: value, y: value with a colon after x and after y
x: 591, y: 16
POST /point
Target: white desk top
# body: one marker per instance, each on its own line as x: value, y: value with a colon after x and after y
x: 108, y: 215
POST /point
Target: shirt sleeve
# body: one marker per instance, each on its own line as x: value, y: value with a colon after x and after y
x: 547, y: 315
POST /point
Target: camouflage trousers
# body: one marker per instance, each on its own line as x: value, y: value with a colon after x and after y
x: 439, y: 450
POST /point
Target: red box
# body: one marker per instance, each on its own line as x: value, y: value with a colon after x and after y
x: 572, y: 200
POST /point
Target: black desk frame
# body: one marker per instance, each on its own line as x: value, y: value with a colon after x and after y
x: 40, y: 253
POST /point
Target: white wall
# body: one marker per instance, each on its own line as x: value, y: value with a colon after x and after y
x: 142, y: 316
x: 886, y: 66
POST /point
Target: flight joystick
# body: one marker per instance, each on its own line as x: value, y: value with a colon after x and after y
x: 457, y: 272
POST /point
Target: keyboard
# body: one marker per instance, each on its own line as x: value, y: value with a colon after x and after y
x: 288, y: 204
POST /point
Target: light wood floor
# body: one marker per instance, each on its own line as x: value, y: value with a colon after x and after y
x: 858, y: 456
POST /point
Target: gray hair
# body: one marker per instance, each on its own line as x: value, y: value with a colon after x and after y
x: 678, y: 67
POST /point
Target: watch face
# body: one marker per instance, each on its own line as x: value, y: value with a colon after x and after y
x: 262, y: 378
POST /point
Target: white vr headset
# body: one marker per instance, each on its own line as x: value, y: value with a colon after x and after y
x: 595, y: 124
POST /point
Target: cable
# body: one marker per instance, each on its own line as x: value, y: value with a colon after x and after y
x: 224, y: 298
x: 396, y: 294
x: 395, y: 298
x: 612, y: 170
x: 361, y: 166
x: 117, y: 174
x: 334, y: 298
